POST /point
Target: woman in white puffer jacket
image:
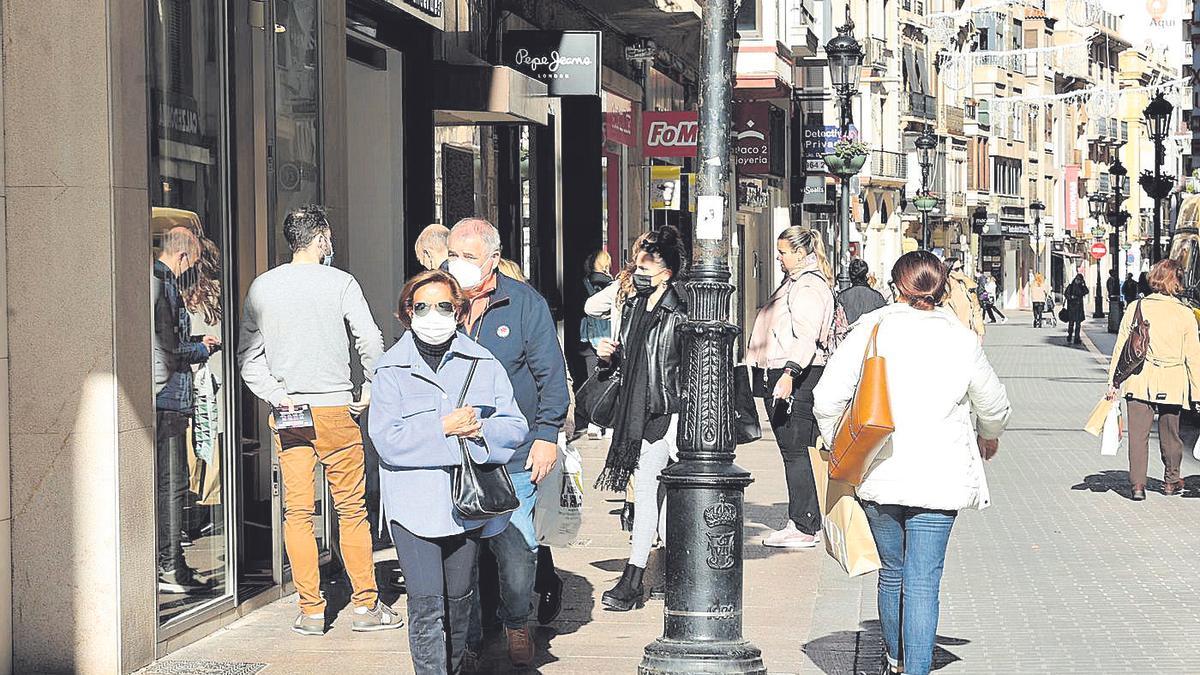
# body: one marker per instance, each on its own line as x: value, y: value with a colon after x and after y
x: 932, y: 466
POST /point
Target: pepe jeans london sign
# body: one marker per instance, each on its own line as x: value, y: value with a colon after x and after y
x: 568, y: 62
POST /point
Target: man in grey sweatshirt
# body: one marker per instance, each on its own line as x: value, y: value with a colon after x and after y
x: 294, y: 350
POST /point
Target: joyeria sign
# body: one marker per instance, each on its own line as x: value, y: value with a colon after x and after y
x: 670, y: 134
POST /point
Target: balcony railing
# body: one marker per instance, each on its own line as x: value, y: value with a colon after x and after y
x: 877, y: 53
x: 952, y: 119
x: 914, y: 6
x: 919, y: 105
x: 888, y: 164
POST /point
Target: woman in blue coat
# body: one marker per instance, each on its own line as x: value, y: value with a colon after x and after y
x: 416, y: 428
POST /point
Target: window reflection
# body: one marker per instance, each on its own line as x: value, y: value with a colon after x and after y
x: 186, y: 227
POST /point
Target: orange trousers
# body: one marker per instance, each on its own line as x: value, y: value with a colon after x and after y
x: 336, y: 442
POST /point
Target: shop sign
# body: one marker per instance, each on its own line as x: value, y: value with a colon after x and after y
x: 176, y: 116
x: 619, y: 120
x: 670, y: 134
x: 664, y: 188
x: 814, y: 190
x: 1071, y: 198
x: 568, y: 62
x: 818, y: 142
x: 752, y: 195
x: 1014, y: 229
x: 751, y: 137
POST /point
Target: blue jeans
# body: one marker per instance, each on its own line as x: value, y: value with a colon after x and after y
x: 515, y: 550
x: 912, y: 548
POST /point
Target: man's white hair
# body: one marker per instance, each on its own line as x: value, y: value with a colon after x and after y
x: 434, y: 236
x: 478, y: 227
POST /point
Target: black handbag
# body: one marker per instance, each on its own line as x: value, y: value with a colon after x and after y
x: 746, y: 425
x: 480, y: 490
x: 597, y: 398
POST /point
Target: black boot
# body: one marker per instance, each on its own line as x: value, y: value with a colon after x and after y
x: 548, y: 586
x: 427, y: 634
x: 459, y: 619
x: 627, y: 517
x: 628, y: 592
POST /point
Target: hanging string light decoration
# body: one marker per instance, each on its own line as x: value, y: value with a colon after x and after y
x: 1084, y: 13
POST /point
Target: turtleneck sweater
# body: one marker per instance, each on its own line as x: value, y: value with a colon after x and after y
x: 432, y: 353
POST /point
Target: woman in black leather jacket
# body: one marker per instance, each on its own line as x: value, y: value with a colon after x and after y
x: 647, y: 358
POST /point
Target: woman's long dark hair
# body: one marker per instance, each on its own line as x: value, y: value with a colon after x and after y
x: 666, y: 244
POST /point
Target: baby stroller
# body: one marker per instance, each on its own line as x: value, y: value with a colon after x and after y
x: 1050, y: 316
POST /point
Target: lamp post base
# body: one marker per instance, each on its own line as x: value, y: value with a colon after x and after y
x: 663, y: 657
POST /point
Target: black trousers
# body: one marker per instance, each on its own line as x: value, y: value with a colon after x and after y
x: 1038, y: 308
x: 795, y: 436
x: 990, y: 310
x: 1073, y: 330
x: 170, y: 445
x: 590, y: 360
x: 438, y: 573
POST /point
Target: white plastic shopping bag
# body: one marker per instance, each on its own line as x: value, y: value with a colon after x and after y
x: 1196, y: 449
x: 1110, y: 438
x: 558, y: 514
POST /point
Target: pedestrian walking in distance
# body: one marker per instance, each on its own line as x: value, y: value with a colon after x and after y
x: 416, y: 425
x: 860, y: 298
x: 788, y: 350
x: 648, y: 357
x: 294, y: 354
x: 593, y: 329
x: 512, y: 321
x: 1037, y: 296
x: 1129, y: 289
x: 988, y: 298
x: 938, y: 379
x: 1075, y: 294
x: 1168, y: 381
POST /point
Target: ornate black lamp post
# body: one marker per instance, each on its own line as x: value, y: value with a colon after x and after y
x: 702, y: 630
x: 1116, y: 219
x: 1157, y: 118
x: 926, y: 144
x: 1036, y: 206
x: 1096, y: 206
x: 845, y: 56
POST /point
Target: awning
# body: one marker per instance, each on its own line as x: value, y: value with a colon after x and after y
x: 486, y: 94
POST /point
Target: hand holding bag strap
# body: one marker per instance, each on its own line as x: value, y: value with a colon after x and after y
x: 480, y: 491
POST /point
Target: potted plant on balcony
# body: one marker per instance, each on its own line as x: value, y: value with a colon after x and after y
x: 848, y: 156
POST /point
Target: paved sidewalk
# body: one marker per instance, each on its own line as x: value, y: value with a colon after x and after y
x: 1062, y: 575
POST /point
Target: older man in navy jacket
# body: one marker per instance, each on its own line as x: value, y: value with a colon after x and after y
x: 513, y: 322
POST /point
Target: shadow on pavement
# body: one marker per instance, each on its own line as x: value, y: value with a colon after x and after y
x: 579, y: 604
x: 861, y: 651
x: 1118, y: 482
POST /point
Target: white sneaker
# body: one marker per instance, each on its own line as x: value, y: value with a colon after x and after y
x: 790, y: 537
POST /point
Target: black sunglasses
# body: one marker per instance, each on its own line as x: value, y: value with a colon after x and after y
x: 443, y: 308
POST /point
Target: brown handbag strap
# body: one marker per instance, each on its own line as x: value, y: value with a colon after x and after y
x: 872, y: 349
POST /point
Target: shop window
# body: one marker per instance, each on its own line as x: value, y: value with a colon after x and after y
x: 189, y: 242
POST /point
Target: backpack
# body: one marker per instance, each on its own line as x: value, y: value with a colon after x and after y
x: 838, y: 328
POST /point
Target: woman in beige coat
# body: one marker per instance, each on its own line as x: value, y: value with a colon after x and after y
x: 1169, y: 380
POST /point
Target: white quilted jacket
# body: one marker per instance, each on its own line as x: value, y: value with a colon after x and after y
x: 938, y: 375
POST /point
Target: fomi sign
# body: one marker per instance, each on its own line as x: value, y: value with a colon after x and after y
x: 670, y: 134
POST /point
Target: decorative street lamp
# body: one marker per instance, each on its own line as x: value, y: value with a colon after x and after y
x: 1157, y: 120
x: 1096, y: 206
x: 702, y: 622
x: 845, y: 56
x: 1116, y: 219
x: 926, y: 144
x: 1037, y: 207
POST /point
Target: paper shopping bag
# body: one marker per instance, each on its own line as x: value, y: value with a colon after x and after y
x: 1110, y: 439
x: 1095, y: 423
x: 848, y: 538
x: 829, y: 490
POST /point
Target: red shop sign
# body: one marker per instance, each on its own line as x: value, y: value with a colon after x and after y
x: 670, y: 134
x: 619, y: 128
x: 752, y: 141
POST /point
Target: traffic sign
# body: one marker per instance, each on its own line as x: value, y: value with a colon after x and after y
x: 1099, y: 250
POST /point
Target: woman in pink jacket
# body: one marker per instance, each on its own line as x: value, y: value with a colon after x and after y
x: 788, y: 350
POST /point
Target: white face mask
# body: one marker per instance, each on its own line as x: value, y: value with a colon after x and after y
x: 466, y: 273
x: 433, y: 328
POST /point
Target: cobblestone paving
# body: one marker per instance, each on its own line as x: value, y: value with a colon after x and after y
x: 1062, y: 575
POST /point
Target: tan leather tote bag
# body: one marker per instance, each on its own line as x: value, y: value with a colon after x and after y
x: 867, y: 422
